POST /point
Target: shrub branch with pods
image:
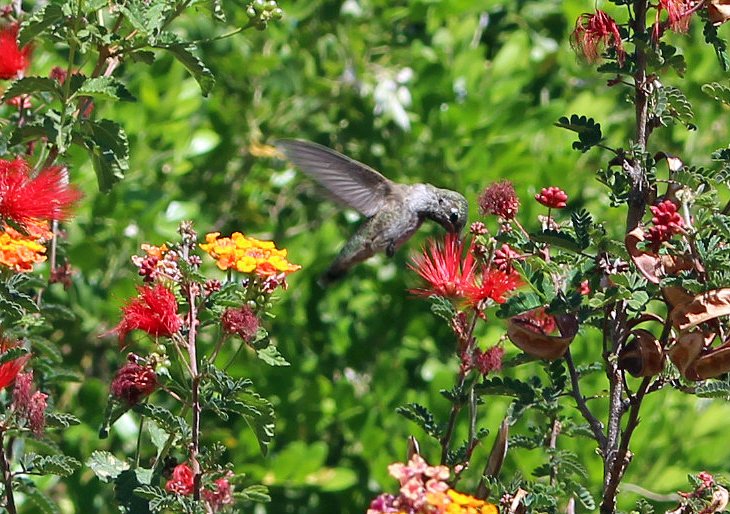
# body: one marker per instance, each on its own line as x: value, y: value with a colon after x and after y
x: 657, y: 293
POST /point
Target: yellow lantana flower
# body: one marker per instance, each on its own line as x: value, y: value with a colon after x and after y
x: 21, y: 251
x: 465, y: 504
x: 247, y: 255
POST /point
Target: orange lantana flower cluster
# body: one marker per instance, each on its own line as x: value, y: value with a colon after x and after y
x: 247, y: 255
x: 21, y: 251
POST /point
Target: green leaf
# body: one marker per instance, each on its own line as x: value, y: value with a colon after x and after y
x: 13, y: 353
x: 271, y: 356
x: 506, y: 386
x: 195, y: 66
x: 61, y: 465
x: 589, y: 132
x: 711, y: 36
x: 105, y: 465
x: 422, y: 417
x: 49, y: 15
x: 42, y: 502
x: 555, y: 238
x: 258, y: 414
x: 108, y: 148
x: 168, y: 421
x: 61, y: 420
x: 158, y: 435
x: 717, y: 92
x: 714, y: 389
x: 443, y: 308
x: 519, y: 303
x: 254, y: 493
x: 109, y: 88
x: 582, y: 222
x: 30, y: 85
x: 584, y: 495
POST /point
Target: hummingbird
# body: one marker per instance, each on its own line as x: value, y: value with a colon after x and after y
x: 394, y: 211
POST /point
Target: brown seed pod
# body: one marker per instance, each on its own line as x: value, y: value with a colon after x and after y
x: 643, y: 355
x: 539, y: 345
x: 701, y: 308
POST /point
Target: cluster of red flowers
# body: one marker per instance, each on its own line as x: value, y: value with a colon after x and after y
x: 667, y: 222
x: 134, y: 381
x: 217, y: 495
x: 451, y: 273
x: 29, y: 405
x: 552, y: 197
x: 241, y: 321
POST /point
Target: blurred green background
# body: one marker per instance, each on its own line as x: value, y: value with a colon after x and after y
x: 458, y: 93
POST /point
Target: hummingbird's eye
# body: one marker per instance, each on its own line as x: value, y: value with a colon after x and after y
x: 453, y: 218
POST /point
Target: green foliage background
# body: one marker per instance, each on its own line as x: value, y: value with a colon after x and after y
x: 484, y: 100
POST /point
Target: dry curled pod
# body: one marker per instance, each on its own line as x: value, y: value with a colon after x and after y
x: 525, y: 337
x: 701, y: 308
x: 643, y: 355
x: 718, y: 11
x: 647, y: 263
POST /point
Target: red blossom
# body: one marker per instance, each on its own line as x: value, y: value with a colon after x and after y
x: 478, y: 228
x: 679, y: 14
x: 552, y: 197
x: 59, y: 74
x: 182, y: 481
x: 13, y: 60
x: 37, y: 413
x: 489, y: 361
x: 493, y: 284
x: 594, y: 32
x: 241, y: 321
x: 9, y: 370
x: 445, y: 268
x: 220, y: 495
x: 500, y: 199
x: 134, y: 382
x: 503, y: 257
x: 154, y: 311
x: 46, y: 196
x: 667, y: 222
x: 585, y: 288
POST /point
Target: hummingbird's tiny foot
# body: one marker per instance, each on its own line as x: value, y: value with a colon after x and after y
x: 390, y: 249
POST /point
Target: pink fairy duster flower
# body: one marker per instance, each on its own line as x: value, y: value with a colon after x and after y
x: 503, y: 257
x: 241, y: 321
x: 134, y: 382
x: 595, y: 32
x: 500, y: 199
x: 37, y: 413
x: 13, y: 60
x: 490, y: 360
x: 552, y: 197
x: 182, y: 480
x: 22, y: 392
x: 24, y: 198
x: 154, y: 311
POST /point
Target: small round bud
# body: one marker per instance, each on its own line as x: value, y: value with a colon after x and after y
x: 251, y: 12
x: 251, y: 304
x: 277, y: 13
x: 259, y: 5
x: 166, y: 363
x: 271, y: 5
x: 161, y: 349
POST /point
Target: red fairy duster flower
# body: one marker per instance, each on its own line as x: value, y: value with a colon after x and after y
x: 490, y: 360
x: 492, y: 285
x: 154, y: 311
x: 9, y: 370
x: 679, y: 14
x: 134, y: 382
x: 552, y: 197
x: 24, y: 198
x: 13, y: 60
x: 22, y: 392
x: 594, y: 32
x: 241, y: 321
x: 500, y: 199
x: 182, y: 480
x: 503, y: 257
x: 220, y: 495
x: 444, y: 268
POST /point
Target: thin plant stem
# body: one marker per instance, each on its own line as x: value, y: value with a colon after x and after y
x: 580, y: 401
x: 7, y: 477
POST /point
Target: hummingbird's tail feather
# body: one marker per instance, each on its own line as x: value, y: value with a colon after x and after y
x: 332, y: 274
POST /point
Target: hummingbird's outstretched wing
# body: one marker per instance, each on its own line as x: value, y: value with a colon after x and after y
x: 349, y: 181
